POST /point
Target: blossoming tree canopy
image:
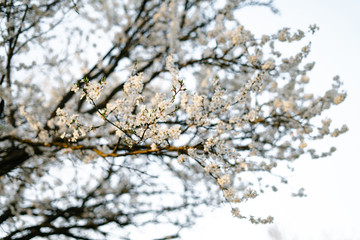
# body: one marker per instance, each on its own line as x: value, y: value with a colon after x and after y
x: 123, y: 114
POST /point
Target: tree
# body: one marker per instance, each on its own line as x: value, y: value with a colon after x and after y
x: 123, y: 114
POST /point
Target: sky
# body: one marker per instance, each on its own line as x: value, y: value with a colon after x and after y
x: 331, y: 209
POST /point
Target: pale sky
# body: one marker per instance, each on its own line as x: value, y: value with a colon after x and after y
x: 331, y: 210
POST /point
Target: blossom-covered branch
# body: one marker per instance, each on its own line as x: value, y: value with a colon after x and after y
x: 142, y: 113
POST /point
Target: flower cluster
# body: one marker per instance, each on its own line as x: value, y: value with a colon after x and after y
x: 138, y: 126
x: 90, y: 89
x: 77, y: 128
